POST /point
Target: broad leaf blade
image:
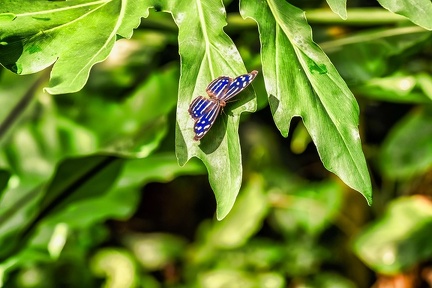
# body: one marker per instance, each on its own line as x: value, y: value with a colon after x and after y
x: 301, y: 81
x: 245, y: 218
x: 338, y: 7
x: 206, y: 53
x: 118, y: 200
x: 406, y: 152
x: 417, y: 11
x: 400, y: 239
x: 72, y: 35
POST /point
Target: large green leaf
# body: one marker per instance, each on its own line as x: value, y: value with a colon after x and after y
x: 121, y: 199
x: 310, y: 208
x: 245, y: 218
x: 400, y: 88
x: 407, y: 150
x: 418, y: 11
x: 338, y: 7
x: 140, y: 121
x: 72, y: 35
x: 301, y: 81
x: 207, y: 52
x: 386, y: 44
x: 47, y: 130
x: 75, y: 180
x: 53, y: 130
x: 83, y: 192
x: 400, y: 239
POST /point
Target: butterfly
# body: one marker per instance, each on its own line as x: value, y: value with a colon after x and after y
x: 205, y: 110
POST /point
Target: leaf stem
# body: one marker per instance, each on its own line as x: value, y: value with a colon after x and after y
x: 356, y: 17
x: 370, y: 36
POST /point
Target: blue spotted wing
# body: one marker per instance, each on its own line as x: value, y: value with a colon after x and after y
x: 218, y: 87
x: 205, y: 110
x: 238, y: 85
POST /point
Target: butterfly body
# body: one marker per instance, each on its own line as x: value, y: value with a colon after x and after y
x: 204, y: 110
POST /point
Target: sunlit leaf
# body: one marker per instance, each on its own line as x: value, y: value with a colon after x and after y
x: 301, y: 81
x: 401, y: 88
x: 338, y: 7
x: 400, y: 239
x: 386, y: 44
x: 160, y: 167
x: 424, y: 81
x: 225, y: 277
x: 418, y: 11
x: 75, y: 180
x: 154, y: 251
x: 72, y: 35
x: 311, y: 208
x: 245, y: 218
x: 17, y: 94
x: 141, y: 121
x: 407, y: 150
x: 206, y: 53
x: 13, y: 220
x: 116, y: 266
x: 78, y: 179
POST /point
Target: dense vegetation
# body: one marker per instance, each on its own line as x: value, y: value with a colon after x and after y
x: 101, y: 182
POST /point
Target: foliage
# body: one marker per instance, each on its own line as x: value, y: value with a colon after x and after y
x: 81, y: 158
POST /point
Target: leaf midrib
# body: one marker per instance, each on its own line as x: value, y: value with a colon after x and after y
x: 205, y: 35
x: 296, y: 49
x: 112, y: 35
x: 62, y: 9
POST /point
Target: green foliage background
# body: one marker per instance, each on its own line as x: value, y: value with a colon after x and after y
x: 102, y: 184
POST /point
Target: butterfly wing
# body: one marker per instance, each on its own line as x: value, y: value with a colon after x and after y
x: 218, y: 87
x: 238, y: 85
x: 208, y: 116
x: 198, y: 106
x: 205, y: 110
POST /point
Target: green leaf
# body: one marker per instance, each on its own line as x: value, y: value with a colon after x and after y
x: 358, y: 16
x: 399, y: 88
x: 165, y: 249
x: 206, y: 53
x: 140, y: 122
x: 400, y: 239
x: 161, y: 167
x: 386, y: 44
x: 417, y: 11
x: 407, y: 150
x: 13, y: 220
x: 121, y: 199
x: 75, y: 180
x: 72, y: 35
x: 301, y: 81
x: 78, y: 179
x: 94, y: 183
x: 245, y: 218
x: 108, y: 263
x: 17, y: 93
x: 338, y: 7
x: 310, y: 208
x: 424, y: 81
x: 53, y: 130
